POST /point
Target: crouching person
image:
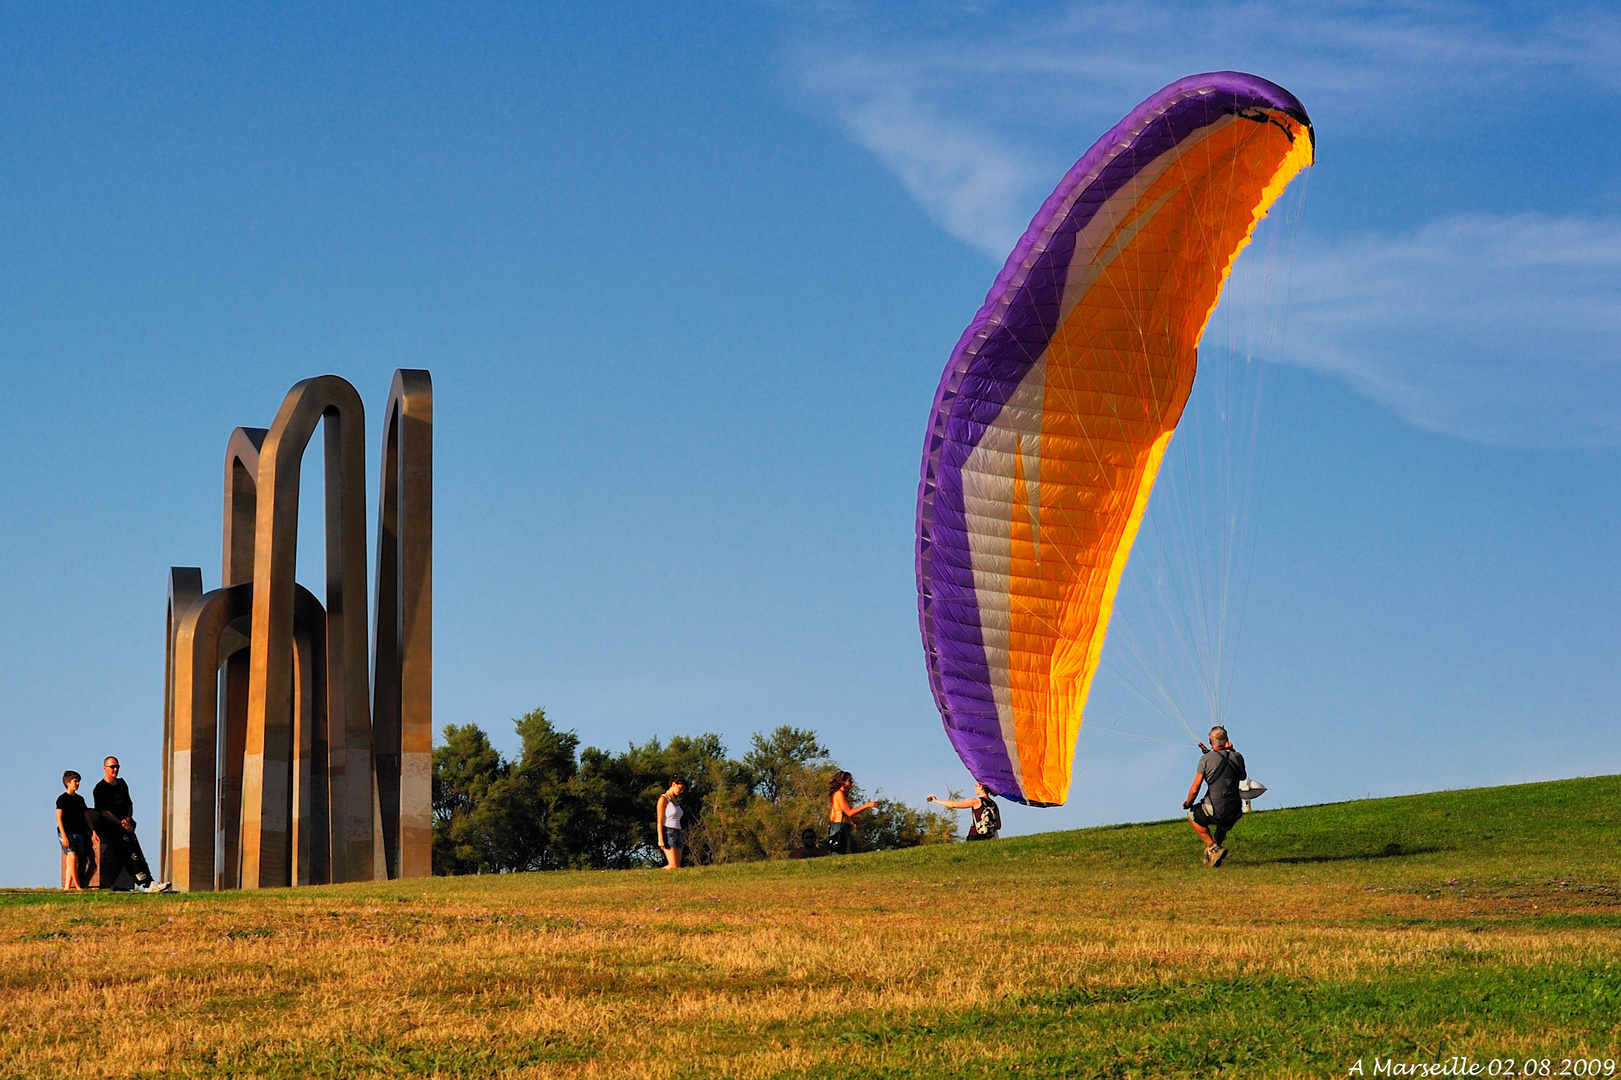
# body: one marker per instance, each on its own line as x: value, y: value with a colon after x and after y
x: 808, y: 848
x: 1213, y: 817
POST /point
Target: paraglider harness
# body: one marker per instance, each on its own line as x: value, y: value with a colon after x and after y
x: 1207, y: 805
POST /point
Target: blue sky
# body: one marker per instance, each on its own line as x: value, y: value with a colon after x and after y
x: 686, y: 281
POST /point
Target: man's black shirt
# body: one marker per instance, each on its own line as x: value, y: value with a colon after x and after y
x: 73, y: 809
x: 114, y: 798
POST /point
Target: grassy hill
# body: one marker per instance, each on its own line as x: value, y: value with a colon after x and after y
x: 1484, y: 923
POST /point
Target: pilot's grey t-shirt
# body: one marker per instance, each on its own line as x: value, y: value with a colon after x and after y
x: 1222, y: 780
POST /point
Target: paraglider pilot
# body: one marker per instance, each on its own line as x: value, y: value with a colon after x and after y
x: 1213, y: 817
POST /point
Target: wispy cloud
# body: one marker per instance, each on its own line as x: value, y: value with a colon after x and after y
x: 1501, y: 329
x: 975, y: 117
x: 967, y: 180
x: 1487, y: 327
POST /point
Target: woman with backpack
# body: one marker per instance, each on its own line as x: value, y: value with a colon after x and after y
x: 987, y: 818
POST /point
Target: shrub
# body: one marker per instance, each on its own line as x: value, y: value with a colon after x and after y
x: 558, y: 806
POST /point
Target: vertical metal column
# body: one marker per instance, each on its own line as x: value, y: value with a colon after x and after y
x: 185, y: 587
x: 402, y: 654
x: 267, y: 858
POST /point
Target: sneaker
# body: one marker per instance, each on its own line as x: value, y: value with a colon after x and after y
x: 1209, y: 851
x: 1216, y: 856
x: 155, y: 887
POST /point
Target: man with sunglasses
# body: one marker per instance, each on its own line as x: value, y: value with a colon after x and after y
x: 114, y: 820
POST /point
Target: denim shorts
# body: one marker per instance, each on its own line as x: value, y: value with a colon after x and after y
x: 79, y: 843
x: 672, y: 837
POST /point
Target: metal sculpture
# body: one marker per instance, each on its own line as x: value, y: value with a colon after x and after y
x: 402, y: 659
x: 185, y: 588
x: 295, y: 775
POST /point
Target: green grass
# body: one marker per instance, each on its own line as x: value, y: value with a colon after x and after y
x: 1484, y: 923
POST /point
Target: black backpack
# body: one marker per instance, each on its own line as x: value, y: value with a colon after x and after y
x: 1226, y: 763
x: 990, y: 818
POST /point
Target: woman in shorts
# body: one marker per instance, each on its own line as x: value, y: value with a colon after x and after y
x: 840, y: 831
x: 667, y: 822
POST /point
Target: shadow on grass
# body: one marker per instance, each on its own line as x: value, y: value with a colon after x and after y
x: 1390, y: 851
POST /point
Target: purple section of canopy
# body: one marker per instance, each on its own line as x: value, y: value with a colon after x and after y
x: 1006, y: 338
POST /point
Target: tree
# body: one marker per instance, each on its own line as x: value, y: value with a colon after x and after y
x: 782, y: 789
x: 892, y: 824
x: 464, y: 770
x: 741, y: 825
x: 558, y: 806
x: 618, y: 793
x: 773, y: 760
x: 531, y: 812
x: 492, y: 815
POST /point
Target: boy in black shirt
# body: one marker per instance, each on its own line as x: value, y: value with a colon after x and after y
x: 74, y: 827
x: 115, y: 824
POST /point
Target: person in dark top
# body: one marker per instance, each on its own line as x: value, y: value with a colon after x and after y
x: 74, y: 826
x: 1213, y: 817
x: 987, y: 818
x: 114, y: 820
x: 808, y: 848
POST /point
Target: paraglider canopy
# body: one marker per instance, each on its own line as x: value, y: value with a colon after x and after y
x: 1057, y: 404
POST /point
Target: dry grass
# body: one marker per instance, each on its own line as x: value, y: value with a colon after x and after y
x: 1108, y: 952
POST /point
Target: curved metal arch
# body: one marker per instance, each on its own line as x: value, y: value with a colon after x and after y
x: 196, y: 732
x: 311, y: 846
x: 241, y: 503
x: 266, y: 777
x: 203, y: 848
x: 311, y: 831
